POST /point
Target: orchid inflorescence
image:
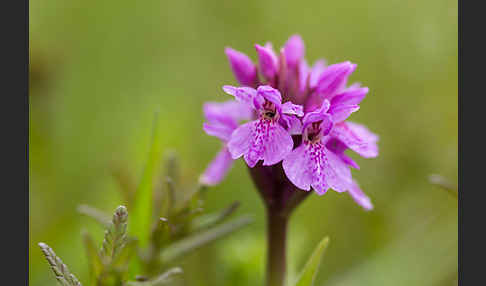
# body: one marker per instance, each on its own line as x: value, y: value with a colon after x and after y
x: 289, y: 114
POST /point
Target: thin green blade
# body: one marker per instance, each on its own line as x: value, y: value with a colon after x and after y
x: 308, y: 274
x: 142, y: 209
x: 197, y: 240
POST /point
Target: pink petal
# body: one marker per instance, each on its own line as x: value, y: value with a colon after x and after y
x: 260, y: 140
x: 271, y: 94
x: 242, y: 66
x: 316, y: 72
x: 333, y: 78
x: 346, y: 102
x: 328, y: 170
x: 357, y: 138
x: 314, y: 165
x: 348, y: 161
x: 290, y: 108
x: 222, y: 131
x: 350, y: 96
x: 242, y: 94
x: 318, y: 114
x: 338, y: 147
x: 220, y: 111
x: 360, y: 197
x: 241, y: 139
x: 294, y: 50
x: 296, y: 168
x: 217, y: 169
x: 341, y: 112
x: 278, y: 144
x: 268, y: 61
x: 293, y: 124
x: 304, y: 73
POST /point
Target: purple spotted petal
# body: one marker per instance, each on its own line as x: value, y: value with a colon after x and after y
x: 217, y: 169
x: 242, y: 66
x: 268, y: 61
x: 294, y: 50
x: 222, y: 131
x: 260, y: 140
x: 290, y: 108
x: 334, y: 78
x: 316, y: 166
x: 297, y: 169
x: 221, y: 111
x: 242, y: 94
x: 357, y: 138
x: 360, y: 197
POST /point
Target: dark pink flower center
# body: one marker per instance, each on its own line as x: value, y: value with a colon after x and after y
x: 269, y: 111
x: 312, y: 132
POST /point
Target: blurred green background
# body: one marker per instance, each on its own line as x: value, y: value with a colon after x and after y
x: 99, y: 70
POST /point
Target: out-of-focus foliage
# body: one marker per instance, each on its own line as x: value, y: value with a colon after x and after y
x: 182, y: 230
x: 99, y: 70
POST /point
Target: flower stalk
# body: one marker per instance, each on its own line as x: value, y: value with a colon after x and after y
x: 280, y: 198
x: 276, y: 247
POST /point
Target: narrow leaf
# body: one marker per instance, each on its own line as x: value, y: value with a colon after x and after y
x: 163, y: 279
x: 308, y: 274
x: 95, y: 264
x: 209, y: 220
x: 94, y: 213
x: 142, y: 209
x: 195, y: 241
x: 444, y: 184
x: 63, y: 276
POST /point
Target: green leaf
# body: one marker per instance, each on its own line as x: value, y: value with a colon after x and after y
x: 163, y: 279
x: 95, y: 264
x: 142, y: 208
x: 445, y: 184
x: 209, y: 220
x: 94, y: 213
x: 308, y: 274
x: 195, y: 241
x: 63, y: 276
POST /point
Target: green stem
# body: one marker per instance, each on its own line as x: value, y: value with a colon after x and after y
x: 276, y: 239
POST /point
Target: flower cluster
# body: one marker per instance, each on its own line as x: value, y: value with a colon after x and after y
x: 288, y: 112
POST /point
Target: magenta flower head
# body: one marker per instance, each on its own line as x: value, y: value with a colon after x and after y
x: 296, y: 132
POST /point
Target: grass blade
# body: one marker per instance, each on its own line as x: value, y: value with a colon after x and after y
x: 193, y: 242
x: 160, y: 280
x: 444, y: 184
x: 142, y: 209
x: 308, y: 274
x: 95, y: 263
x: 96, y: 214
x: 209, y: 220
